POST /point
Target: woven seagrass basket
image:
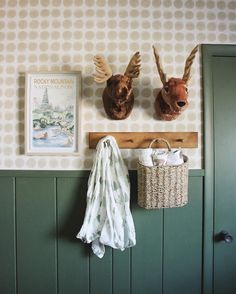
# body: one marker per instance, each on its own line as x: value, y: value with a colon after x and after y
x: 163, y: 186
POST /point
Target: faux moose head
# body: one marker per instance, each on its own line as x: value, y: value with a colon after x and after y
x: 118, y: 97
x: 172, y: 99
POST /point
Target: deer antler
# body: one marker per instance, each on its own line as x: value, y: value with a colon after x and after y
x: 103, y: 70
x: 159, y: 67
x: 133, y: 68
x: 188, y: 64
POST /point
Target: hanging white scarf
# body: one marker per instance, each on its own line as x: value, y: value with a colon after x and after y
x: 108, y: 220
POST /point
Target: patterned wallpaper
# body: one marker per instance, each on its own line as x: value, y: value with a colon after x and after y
x: 65, y: 35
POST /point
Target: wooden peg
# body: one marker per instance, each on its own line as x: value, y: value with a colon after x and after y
x: 136, y: 140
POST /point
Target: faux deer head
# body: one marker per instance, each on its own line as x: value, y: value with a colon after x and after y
x: 118, y: 97
x: 172, y: 99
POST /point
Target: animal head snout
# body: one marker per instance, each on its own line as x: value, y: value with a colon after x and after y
x: 123, y: 91
x: 181, y: 103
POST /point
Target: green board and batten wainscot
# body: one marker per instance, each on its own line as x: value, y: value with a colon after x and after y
x: 42, y: 211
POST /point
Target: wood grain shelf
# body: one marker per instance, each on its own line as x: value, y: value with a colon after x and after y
x: 136, y: 140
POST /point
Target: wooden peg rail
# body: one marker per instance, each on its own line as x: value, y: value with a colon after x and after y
x: 135, y: 140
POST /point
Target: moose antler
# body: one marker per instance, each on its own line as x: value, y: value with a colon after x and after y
x: 103, y: 70
x: 188, y: 64
x: 159, y: 67
x: 133, y: 68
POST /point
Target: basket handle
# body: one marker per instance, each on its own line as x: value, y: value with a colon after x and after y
x: 159, y: 140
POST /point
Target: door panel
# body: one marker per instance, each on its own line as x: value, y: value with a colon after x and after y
x: 224, y: 89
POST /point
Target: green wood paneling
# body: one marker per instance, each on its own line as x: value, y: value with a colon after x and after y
x: 73, y: 261
x: 49, y: 212
x: 101, y: 273
x: 182, y: 268
x: 121, y: 274
x: 36, y: 236
x: 7, y: 229
x: 224, y: 73
x: 147, y: 254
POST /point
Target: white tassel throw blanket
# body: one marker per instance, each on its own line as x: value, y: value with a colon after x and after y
x: 108, y: 220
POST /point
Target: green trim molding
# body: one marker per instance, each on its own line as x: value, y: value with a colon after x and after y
x: 71, y: 174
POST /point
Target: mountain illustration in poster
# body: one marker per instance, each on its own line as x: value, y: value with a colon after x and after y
x: 53, y: 116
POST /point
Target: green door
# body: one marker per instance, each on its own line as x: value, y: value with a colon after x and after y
x: 221, y: 151
x: 224, y: 85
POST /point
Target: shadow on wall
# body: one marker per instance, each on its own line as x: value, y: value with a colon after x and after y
x: 71, y: 218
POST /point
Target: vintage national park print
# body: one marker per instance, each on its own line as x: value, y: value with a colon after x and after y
x: 52, y: 113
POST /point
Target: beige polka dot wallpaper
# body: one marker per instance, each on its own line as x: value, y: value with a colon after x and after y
x: 59, y: 35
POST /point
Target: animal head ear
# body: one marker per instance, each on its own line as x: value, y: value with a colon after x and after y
x: 188, y: 64
x: 133, y: 68
x: 162, y: 75
x: 102, y: 71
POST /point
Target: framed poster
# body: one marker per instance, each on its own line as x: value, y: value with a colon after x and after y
x: 52, y: 113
